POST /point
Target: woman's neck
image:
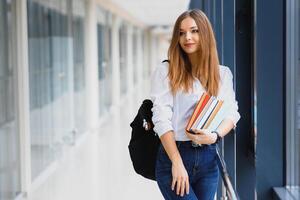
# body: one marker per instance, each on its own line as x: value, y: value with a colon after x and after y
x: 194, y: 58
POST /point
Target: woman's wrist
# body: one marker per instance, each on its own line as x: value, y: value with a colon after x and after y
x: 217, y: 136
x: 176, y: 158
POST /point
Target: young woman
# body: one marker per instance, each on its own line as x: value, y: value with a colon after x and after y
x: 184, y: 170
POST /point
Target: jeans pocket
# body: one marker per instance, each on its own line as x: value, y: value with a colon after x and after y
x: 212, y: 147
x: 208, y: 156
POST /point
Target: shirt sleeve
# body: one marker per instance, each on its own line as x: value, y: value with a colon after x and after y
x: 162, y: 99
x: 229, y: 97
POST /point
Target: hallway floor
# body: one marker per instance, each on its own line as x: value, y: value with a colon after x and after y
x: 99, y: 166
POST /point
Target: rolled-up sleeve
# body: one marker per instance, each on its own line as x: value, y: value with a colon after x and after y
x: 229, y: 97
x: 162, y: 99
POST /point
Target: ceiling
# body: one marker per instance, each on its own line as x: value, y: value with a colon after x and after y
x: 154, y: 13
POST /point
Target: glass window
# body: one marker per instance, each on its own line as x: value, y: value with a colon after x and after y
x: 293, y: 97
x: 56, y: 77
x: 104, y: 24
x: 9, y: 138
x: 79, y: 67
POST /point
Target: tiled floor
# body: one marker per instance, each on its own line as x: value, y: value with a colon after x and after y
x: 99, y: 168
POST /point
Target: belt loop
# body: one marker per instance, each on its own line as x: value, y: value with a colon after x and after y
x: 195, y: 145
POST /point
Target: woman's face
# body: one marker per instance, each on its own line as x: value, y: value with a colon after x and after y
x: 189, y: 37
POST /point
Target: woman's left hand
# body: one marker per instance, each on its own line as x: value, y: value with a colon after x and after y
x: 202, y: 136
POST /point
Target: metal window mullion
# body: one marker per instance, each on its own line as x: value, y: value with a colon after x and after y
x: 254, y: 90
x: 288, y: 104
x: 297, y: 70
x: 234, y: 85
x: 222, y: 58
x: 291, y: 99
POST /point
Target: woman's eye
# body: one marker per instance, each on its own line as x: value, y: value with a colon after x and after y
x: 181, y: 33
x: 195, y: 31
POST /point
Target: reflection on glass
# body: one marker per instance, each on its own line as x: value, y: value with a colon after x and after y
x: 56, y: 78
x: 79, y: 68
x: 9, y: 138
x: 104, y: 60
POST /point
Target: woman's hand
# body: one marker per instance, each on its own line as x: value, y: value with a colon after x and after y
x: 202, y: 136
x: 179, y: 173
x: 180, y: 178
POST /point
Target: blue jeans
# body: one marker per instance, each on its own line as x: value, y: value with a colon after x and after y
x: 201, y: 165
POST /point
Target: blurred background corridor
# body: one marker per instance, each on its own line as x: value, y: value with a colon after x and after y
x: 73, y: 74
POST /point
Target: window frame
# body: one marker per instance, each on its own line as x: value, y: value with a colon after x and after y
x: 292, y: 141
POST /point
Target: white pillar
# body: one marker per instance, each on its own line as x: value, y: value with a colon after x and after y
x: 162, y: 46
x: 147, y: 53
x: 139, y: 58
x: 20, y: 47
x: 153, y: 52
x: 130, y: 58
x: 115, y: 62
x: 91, y: 65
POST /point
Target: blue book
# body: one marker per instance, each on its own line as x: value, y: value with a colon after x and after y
x: 220, y: 116
x: 207, y: 113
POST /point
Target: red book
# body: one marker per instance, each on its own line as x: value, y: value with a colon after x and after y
x: 199, y: 107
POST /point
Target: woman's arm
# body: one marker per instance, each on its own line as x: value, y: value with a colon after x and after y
x: 179, y: 173
x: 162, y: 119
x: 225, y: 127
x: 204, y: 136
x: 169, y: 144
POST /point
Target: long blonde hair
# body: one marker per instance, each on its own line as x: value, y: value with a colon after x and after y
x: 181, y: 73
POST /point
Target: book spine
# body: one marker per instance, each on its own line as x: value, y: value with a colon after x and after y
x: 202, y: 105
x: 194, y: 115
x: 207, y: 113
x: 195, y: 125
x: 212, y: 116
x: 219, y: 117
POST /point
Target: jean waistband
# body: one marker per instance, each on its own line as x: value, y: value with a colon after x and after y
x: 193, y: 145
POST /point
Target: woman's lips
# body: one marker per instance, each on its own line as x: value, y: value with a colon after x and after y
x: 189, y: 45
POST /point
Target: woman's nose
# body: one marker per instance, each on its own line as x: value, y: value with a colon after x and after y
x: 188, y: 36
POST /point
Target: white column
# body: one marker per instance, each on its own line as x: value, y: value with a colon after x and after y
x: 91, y: 65
x: 162, y: 48
x: 70, y: 74
x: 130, y: 58
x: 115, y: 62
x: 147, y: 52
x: 139, y: 58
x: 153, y: 52
x: 20, y: 47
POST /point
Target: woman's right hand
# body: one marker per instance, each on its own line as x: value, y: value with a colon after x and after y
x: 179, y: 173
x: 180, y: 178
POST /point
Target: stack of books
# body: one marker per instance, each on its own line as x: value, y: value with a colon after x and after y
x: 208, y: 114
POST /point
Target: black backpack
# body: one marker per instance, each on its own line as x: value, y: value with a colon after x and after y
x: 144, y: 142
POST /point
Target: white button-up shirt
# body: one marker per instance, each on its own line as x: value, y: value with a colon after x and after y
x: 173, y: 112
